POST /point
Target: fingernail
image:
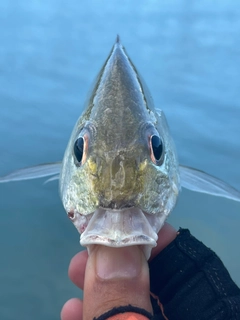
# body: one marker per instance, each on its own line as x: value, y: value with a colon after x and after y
x: 115, y: 263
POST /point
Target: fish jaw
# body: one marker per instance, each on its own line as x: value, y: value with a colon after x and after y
x: 119, y: 228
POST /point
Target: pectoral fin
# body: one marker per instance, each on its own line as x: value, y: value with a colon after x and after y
x: 200, y: 181
x: 39, y: 171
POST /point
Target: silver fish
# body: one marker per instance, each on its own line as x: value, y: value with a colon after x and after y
x: 120, y: 177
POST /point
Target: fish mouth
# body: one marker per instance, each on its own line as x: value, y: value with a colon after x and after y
x: 119, y: 228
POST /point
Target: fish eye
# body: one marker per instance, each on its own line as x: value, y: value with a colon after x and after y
x: 79, y: 150
x: 156, y: 147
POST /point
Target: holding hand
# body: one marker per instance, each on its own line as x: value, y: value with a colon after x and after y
x: 112, y: 277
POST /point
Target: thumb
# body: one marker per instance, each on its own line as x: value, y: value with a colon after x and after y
x: 115, y: 277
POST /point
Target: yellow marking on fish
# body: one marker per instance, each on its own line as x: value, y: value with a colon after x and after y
x: 92, y: 166
x: 143, y: 165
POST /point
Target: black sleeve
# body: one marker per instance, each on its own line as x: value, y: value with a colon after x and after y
x: 191, y: 283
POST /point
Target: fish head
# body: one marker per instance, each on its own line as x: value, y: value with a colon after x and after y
x: 119, y: 178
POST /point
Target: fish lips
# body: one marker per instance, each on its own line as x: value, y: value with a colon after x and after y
x: 119, y: 228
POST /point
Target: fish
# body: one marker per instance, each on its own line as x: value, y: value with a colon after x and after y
x: 120, y: 177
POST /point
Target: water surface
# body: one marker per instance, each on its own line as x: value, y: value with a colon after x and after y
x: 189, y: 55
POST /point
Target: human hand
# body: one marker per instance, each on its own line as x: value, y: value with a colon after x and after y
x: 112, y: 277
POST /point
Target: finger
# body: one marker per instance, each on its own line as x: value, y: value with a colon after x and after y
x: 76, y: 270
x: 165, y: 236
x: 72, y: 310
x: 115, y: 277
x: 78, y: 263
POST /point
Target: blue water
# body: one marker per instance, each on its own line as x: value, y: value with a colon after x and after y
x: 189, y: 55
